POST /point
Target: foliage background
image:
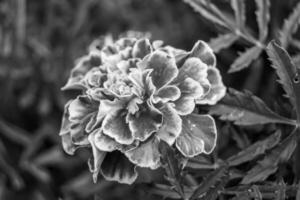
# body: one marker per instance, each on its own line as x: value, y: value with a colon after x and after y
x: 39, y: 42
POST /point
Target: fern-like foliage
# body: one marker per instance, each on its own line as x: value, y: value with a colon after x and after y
x: 246, y: 109
x: 290, y: 26
x: 236, y: 28
x: 288, y: 74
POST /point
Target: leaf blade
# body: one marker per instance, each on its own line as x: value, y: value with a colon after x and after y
x: 287, y: 73
x: 269, y: 164
x: 246, y: 109
x: 290, y: 26
x: 245, y: 59
x: 238, y: 7
x: 255, y: 150
x: 222, y: 41
x: 262, y: 17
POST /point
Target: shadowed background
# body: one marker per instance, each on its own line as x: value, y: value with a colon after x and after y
x: 39, y: 42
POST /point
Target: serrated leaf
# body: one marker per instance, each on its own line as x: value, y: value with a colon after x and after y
x: 262, y: 17
x: 209, y: 181
x: 288, y: 73
x: 210, y: 12
x: 290, y: 26
x: 172, y: 167
x: 246, y: 109
x: 256, y: 149
x: 269, y: 164
x: 245, y: 59
x: 222, y: 41
x: 239, y: 12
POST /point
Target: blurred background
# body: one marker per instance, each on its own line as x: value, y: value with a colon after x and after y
x: 39, y: 42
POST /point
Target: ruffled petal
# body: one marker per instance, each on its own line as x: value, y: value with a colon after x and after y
x: 164, y: 68
x: 141, y: 48
x: 204, y: 52
x: 81, y: 107
x: 171, y: 126
x: 194, y: 68
x: 217, y: 91
x: 145, y: 122
x: 67, y: 143
x: 191, y: 88
x: 83, y: 65
x: 78, y: 134
x: 98, y: 157
x: 167, y: 93
x: 198, y: 135
x: 104, y: 142
x: 114, y: 125
x: 184, y: 105
x: 107, y: 106
x: 146, y: 154
x: 116, y: 167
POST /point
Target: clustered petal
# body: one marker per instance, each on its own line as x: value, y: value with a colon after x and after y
x: 135, y: 94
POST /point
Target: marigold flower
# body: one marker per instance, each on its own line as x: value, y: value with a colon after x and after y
x: 134, y: 94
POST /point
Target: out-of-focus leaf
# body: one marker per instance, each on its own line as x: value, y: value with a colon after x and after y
x: 255, y: 149
x: 298, y: 192
x: 239, y: 11
x: 14, y: 133
x: 246, y: 109
x: 209, y: 181
x: 269, y: 164
x: 245, y: 59
x: 222, y: 41
x: 288, y: 73
x: 290, y: 26
x: 208, y: 11
x: 262, y: 17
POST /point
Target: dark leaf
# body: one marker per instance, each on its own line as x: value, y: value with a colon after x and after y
x: 210, y: 12
x: 288, y: 73
x: 246, y: 109
x: 290, y: 26
x: 172, y: 167
x: 222, y: 41
x: 209, y: 181
x: 262, y: 17
x: 239, y: 11
x: 269, y: 164
x: 255, y: 149
x: 245, y: 59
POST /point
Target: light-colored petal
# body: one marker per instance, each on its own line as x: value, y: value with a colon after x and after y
x: 84, y: 64
x: 191, y: 88
x: 167, y: 93
x: 80, y: 107
x: 198, y: 135
x: 141, y: 48
x: 145, y: 122
x: 107, y: 106
x: 184, y: 105
x: 98, y: 157
x: 104, y: 142
x: 116, y: 167
x: 114, y: 125
x: 217, y: 91
x: 192, y: 68
x: 146, y: 154
x: 172, y: 124
x: 204, y: 52
x: 164, y: 68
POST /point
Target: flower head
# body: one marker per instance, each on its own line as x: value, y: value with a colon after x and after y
x: 134, y: 94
